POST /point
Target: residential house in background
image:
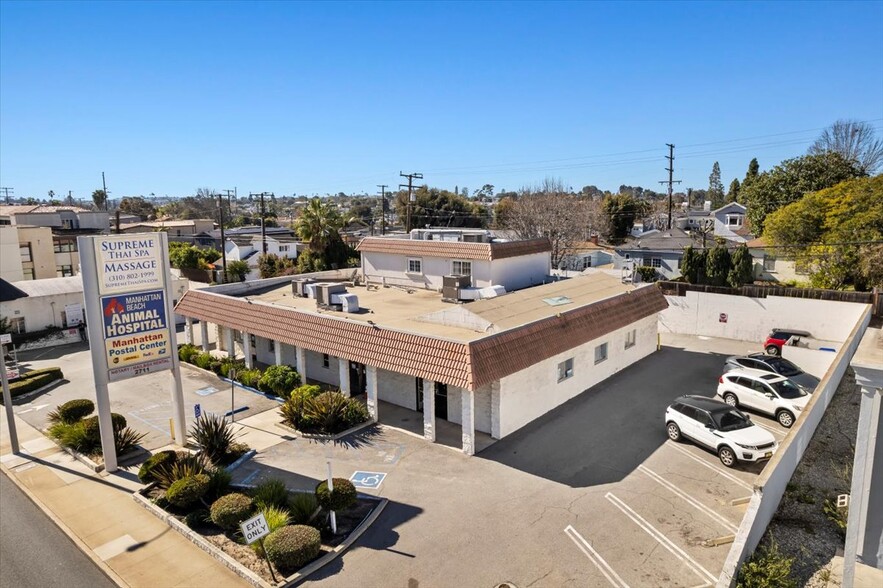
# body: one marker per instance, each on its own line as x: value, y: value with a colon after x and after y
x: 588, y: 254
x: 177, y: 230
x: 661, y: 250
x: 248, y: 248
x: 212, y: 238
x: 768, y: 267
x: 729, y: 223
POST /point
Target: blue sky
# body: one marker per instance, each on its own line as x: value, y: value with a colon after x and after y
x: 314, y: 98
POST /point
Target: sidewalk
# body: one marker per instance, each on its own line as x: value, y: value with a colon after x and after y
x: 98, y: 513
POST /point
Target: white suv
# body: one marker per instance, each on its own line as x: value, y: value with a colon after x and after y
x: 764, y: 392
x: 720, y: 427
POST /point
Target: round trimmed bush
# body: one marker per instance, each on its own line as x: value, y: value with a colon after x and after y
x: 293, y: 546
x: 188, y: 490
x: 155, y: 461
x: 75, y: 410
x: 342, y: 498
x: 230, y: 510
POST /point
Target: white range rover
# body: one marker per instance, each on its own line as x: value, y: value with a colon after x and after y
x: 724, y: 429
x: 764, y: 392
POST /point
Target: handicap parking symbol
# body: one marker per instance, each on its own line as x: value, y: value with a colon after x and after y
x: 367, y: 480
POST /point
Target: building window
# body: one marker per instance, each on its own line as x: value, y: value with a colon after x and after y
x: 655, y: 262
x: 769, y: 263
x: 64, y: 271
x: 283, y: 249
x: 17, y: 324
x: 587, y: 262
x: 326, y: 360
x: 65, y: 246
x: 25, y: 251
x: 565, y: 369
x: 252, y: 341
x: 601, y: 353
x: 734, y: 220
x: 415, y: 266
x: 28, y: 273
x: 630, y: 338
x: 272, y: 345
x: 462, y: 268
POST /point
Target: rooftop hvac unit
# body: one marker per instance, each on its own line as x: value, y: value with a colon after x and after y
x: 348, y: 302
x: 324, y: 292
x: 451, y: 286
x: 299, y: 287
x: 491, y: 292
x: 310, y: 290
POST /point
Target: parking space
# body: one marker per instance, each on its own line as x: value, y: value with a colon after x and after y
x: 144, y: 401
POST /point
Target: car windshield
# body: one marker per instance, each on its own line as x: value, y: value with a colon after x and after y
x: 784, y: 367
x: 787, y: 389
x: 731, y: 420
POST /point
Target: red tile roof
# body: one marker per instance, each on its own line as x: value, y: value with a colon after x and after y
x: 454, y: 249
x: 467, y: 365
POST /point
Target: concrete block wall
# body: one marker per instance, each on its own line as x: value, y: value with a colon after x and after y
x: 316, y: 371
x: 751, y: 319
x: 395, y: 388
x: 534, y: 391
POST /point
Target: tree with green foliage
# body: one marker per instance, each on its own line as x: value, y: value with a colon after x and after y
x: 440, y: 208
x: 829, y: 232
x: 790, y: 180
x: 271, y: 265
x: 743, y: 267
x: 237, y: 270
x: 715, y: 187
x: 99, y: 197
x: 693, y: 265
x: 752, y: 173
x: 319, y: 225
x: 187, y: 256
x: 718, y: 264
x: 733, y: 194
x: 621, y: 211
x: 138, y: 206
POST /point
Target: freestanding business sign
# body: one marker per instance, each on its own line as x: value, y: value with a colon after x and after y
x: 128, y: 304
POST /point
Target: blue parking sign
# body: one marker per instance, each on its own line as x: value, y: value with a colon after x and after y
x: 197, y: 410
x: 367, y: 480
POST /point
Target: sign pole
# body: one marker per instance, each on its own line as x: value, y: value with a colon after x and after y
x: 331, y: 491
x: 267, y: 557
x: 7, y: 401
x: 177, y: 390
x: 232, y: 374
x: 94, y: 325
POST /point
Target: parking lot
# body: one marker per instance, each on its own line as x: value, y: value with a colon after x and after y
x: 144, y: 401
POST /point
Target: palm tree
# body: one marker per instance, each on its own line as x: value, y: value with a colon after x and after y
x: 319, y: 224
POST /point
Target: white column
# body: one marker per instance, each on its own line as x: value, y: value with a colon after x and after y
x: 371, y: 385
x: 231, y: 343
x: 495, y: 410
x: 468, y: 421
x: 429, y: 410
x: 246, y: 349
x: 219, y: 337
x: 277, y: 345
x: 343, y: 368
x: 188, y: 330
x: 300, y: 360
x: 203, y: 332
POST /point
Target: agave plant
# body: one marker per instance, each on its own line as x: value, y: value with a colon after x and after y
x: 213, y: 435
x: 184, y: 466
x: 326, y: 411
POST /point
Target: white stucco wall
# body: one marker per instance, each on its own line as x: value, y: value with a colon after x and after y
x: 751, y: 319
x: 523, y: 271
x: 396, y: 388
x: 315, y: 371
x: 532, y: 392
x: 42, y: 311
x: 483, y: 399
x: 10, y: 258
x: 379, y: 266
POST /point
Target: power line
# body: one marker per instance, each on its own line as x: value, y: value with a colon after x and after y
x: 6, y: 191
x: 671, y: 168
x: 410, y: 186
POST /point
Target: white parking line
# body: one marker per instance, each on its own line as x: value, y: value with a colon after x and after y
x: 772, y: 430
x: 679, y: 553
x: 595, y: 558
x: 720, y: 471
x: 720, y: 519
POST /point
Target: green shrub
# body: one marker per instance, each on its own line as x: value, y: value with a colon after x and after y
x: 75, y: 437
x: 227, y: 364
x: 118, y: 422
x: 302, y: 506
x: 127, y: 440
x: 271, y: 493
x: 248, y: 377
x: 187, y: 352
x: 146, y: 472
x: 204, y: 360
x: 280, y: 380
x: 196, y: 517
x: 33, y: 381
x: 230, y: 510
x: 184, y: 466
x: 325, y: 412
x: 836, y: 515
x: 355, y: 413
x: 293, y: 546
x: 342, y: 498
x: 767, y: 568
x: 72, y: 411
x: 219, y: 482
x: 276, y: 519
x: 647, y: 273
x: 306, y: 391
x: 186, y: 491
x: 213, y: 435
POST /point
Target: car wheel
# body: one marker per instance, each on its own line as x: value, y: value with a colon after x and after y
x: 727, y: 457
x: 731, y: 399
x: 674, y: 432
x: 785, y: 418
x: 772, y: 350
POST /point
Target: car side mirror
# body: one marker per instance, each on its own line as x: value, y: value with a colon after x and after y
x: 709, y: 427
x: 770, y: 395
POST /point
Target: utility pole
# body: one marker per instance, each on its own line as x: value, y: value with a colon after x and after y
x: 6, y: 191
x: 70, y: 198
x: 263, y: 225
x: 382, y: 208
x: 223, y: 243
x: 410, y: 186
x: 670, y: 169
x: 104, y: 187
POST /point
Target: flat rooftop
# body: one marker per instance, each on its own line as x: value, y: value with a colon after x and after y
x: 423, y: 312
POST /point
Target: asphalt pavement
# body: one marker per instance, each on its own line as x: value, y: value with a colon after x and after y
x: 34, y: 552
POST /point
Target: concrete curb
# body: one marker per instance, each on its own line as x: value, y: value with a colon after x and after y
x: 99, y: 467
x: 319, y: 437
x: 48, y: 386
x: 212, y: 374
x: 242, y: 459
x: 246, y: 574
x: 105, y: 569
